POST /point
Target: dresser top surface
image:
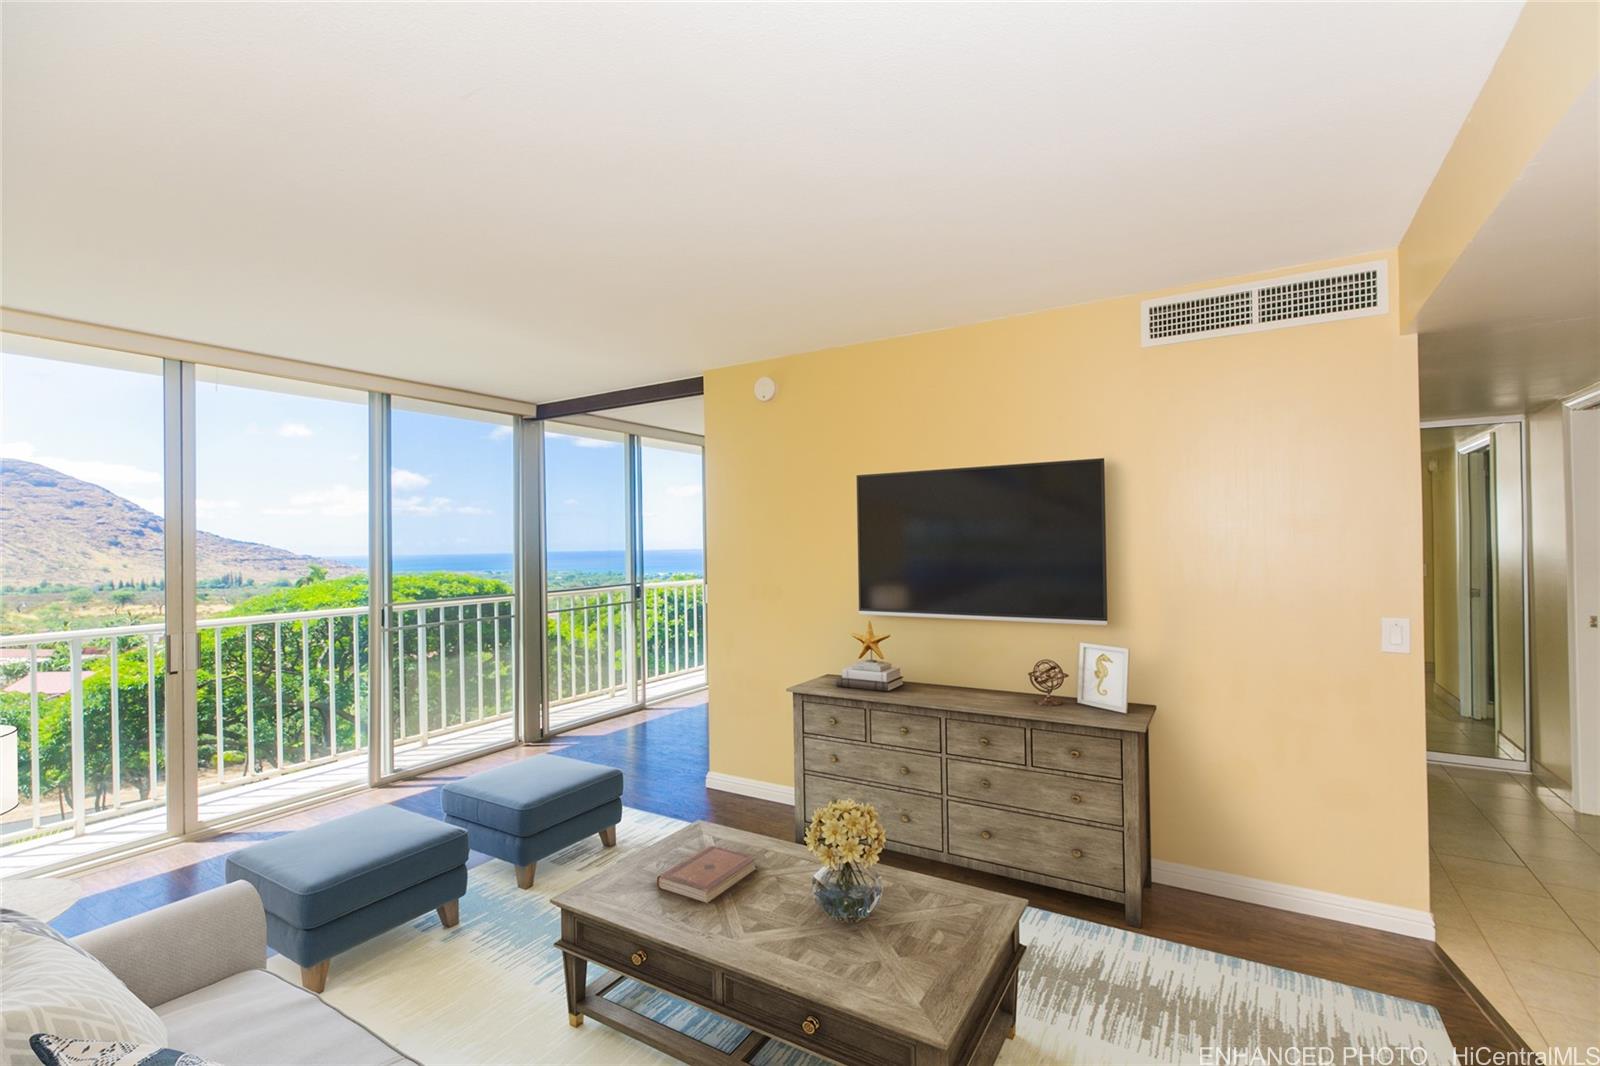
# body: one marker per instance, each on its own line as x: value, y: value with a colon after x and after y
x: 1019, y: 705
x: 915, y: 967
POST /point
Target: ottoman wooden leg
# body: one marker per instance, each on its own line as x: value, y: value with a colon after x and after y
x: 608, y: 836
x: 315, y: 978
x: 449, y: 913
x: 525, y: 875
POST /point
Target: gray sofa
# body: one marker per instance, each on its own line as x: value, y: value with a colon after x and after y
x: 200, y: 964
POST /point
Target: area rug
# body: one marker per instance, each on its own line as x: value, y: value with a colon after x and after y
x: 490, y: 990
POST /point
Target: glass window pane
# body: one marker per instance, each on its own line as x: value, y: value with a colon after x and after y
x: 673, y: 567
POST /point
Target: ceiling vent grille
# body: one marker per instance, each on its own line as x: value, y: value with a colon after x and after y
x: 1324, y: 296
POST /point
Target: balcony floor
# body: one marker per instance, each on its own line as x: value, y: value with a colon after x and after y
x: 576, y: 712
x: 230, y: 801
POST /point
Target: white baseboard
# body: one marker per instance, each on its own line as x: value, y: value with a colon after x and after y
x: 1385, y: 916
x: 748, y: 786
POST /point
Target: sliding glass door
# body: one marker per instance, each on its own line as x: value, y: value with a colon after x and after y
x: 672, y: 566
x: 83, y: 602
x: 280, y: 591
x: 452, y: 620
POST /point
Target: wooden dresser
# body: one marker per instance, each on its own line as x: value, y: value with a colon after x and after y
x: 988, y: 780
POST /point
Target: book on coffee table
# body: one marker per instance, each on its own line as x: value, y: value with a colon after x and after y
x: 707, y: 874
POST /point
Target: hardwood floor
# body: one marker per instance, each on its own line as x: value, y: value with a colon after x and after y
x: 662, y: 753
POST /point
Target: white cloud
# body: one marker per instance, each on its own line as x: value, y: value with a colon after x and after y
x: 334, y: 501
x: 298, y: 430
x: 409, y: 480
x: 500, y: 433
x: 469, y: 509
x: 207, y: 507
x: 432, y: 506
x: 595, y: 442
x: 124, y: 479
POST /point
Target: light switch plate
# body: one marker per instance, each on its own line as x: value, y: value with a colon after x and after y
x: 1396, y: 636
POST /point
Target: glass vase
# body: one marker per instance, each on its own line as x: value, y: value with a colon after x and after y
x: 848, y: 894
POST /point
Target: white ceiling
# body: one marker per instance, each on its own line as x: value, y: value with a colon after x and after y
x: 543, y: 201
x: 1516, y: 323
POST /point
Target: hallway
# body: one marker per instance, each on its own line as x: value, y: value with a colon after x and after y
x: 1516, y: 899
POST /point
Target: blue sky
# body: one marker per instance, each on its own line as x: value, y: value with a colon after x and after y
x: 289, y: 468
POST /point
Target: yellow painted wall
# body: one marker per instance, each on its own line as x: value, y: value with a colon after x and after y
x: 1263, y: 512
x: 1552, y: 55
x: 1547, y: 510
x: 1443, y: 634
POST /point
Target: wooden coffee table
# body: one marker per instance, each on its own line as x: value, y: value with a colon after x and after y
x: 929, y: 980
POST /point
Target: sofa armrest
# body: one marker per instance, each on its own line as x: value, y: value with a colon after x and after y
x: 184, y: 946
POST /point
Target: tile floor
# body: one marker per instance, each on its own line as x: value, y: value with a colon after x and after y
x: 1516, y: 899
x: 1449, y: 732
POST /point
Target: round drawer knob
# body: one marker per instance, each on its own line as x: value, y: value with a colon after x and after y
x: 986, y: 835
x: 1076, y: 798
x: 905, y: 817
x: 833, y: 758
x: 983, y: 742
x: 638, y: 957
x: 1077, y: 853
x: 810, y: 1025
x: 833, y: 719
x: 905, y: 730
x: 984, y: 782
x: 905, y: 771
x: 1075, y: 753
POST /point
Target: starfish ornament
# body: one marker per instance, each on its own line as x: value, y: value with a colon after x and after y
x: 870, y: 642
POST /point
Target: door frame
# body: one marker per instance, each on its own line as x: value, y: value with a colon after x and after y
x: 1581, y: 437
x: 1523, y: 765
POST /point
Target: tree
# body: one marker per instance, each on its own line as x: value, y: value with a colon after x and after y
x: 314, y: 575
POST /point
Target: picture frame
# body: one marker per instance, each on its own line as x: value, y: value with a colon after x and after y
x: 1107, y: 690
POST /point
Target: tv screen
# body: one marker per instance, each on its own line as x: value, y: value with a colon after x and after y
x: 1025, y: 542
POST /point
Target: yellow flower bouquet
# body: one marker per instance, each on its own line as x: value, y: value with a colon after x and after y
x: 848, y: 838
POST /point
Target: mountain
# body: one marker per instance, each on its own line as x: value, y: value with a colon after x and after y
x: 57, y: 529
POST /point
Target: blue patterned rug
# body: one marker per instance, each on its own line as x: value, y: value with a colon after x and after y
x: 490, y: 990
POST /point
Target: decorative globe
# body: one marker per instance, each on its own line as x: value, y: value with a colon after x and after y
x: 1047, y: 676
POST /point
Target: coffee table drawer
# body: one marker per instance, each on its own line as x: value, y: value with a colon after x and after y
x: 1077, y: 753
x: 1002, y: 743
x: 1074, y: 797
x: 1041, y: 845
x: 828, y: 720
x: 655, y: 965
x: 902, y: 769
x: 898, y: 730
x: 797, y: 1022
x: 908, y: 817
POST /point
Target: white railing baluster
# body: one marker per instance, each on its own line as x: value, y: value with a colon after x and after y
x: 355, y: 675
x: 499, y: 704
x: 444, y: 678
x: 422, y: 672
x: 33, y: 726
x: 277, y: 684
x: 116, y: 731
x: 400, y: 668
x: 249, y: 701
x: 333, y: 694
x: 461, y: 662
x: 75, y: 656
x: 150, y: 709
x: 305, y: 688
x: 477, y: 653
x: 216, y: 674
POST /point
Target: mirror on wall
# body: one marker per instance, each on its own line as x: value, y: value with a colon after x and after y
x: 1474, y: 605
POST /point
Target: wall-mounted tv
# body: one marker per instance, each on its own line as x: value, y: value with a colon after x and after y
x: 1025, y: 542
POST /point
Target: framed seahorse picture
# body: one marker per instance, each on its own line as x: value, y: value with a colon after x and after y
x: 1103, y: 677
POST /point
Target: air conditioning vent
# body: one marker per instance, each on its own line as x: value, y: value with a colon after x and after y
x: 1327, y: 295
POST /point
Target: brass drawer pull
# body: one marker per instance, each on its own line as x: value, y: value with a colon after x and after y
x: 833, y: 719
x: 1075, y: 753
x: 1076, y: 798
x: 905, y: 730
x: 810, y: 1025
x: 984, y: 782
x: 833, y: 758
x: 983, y: 742
x: 905, y: 771
x: 986, y: 835
x: 1077, y: 853
x: 905, y: 817
x: 638, y: 957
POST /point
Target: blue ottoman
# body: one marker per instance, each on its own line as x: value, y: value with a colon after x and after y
x: 328, y: 888
x: 526, y: 810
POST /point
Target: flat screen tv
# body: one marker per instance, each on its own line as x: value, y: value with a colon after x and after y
x: 1023, y: 542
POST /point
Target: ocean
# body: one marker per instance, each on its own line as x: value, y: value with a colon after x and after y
x: 656, y: 561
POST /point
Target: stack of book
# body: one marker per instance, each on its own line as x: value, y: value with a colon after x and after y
x: 873, y: 674
x: 707, y: 874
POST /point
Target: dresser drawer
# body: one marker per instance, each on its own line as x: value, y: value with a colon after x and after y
x: 908, y: 817
x: 1002, y: 743
x: 1031, y: 790
x: 835, y: 1035
x: 899, y: 730
x: 1078, y: 753
x: 1040, y: 845
x: 828, y: 720
x: 657, y: 965
x: 902, y: 769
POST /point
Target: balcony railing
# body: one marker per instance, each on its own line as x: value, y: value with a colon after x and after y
x: 292, y: 689
x: 589, y: 647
